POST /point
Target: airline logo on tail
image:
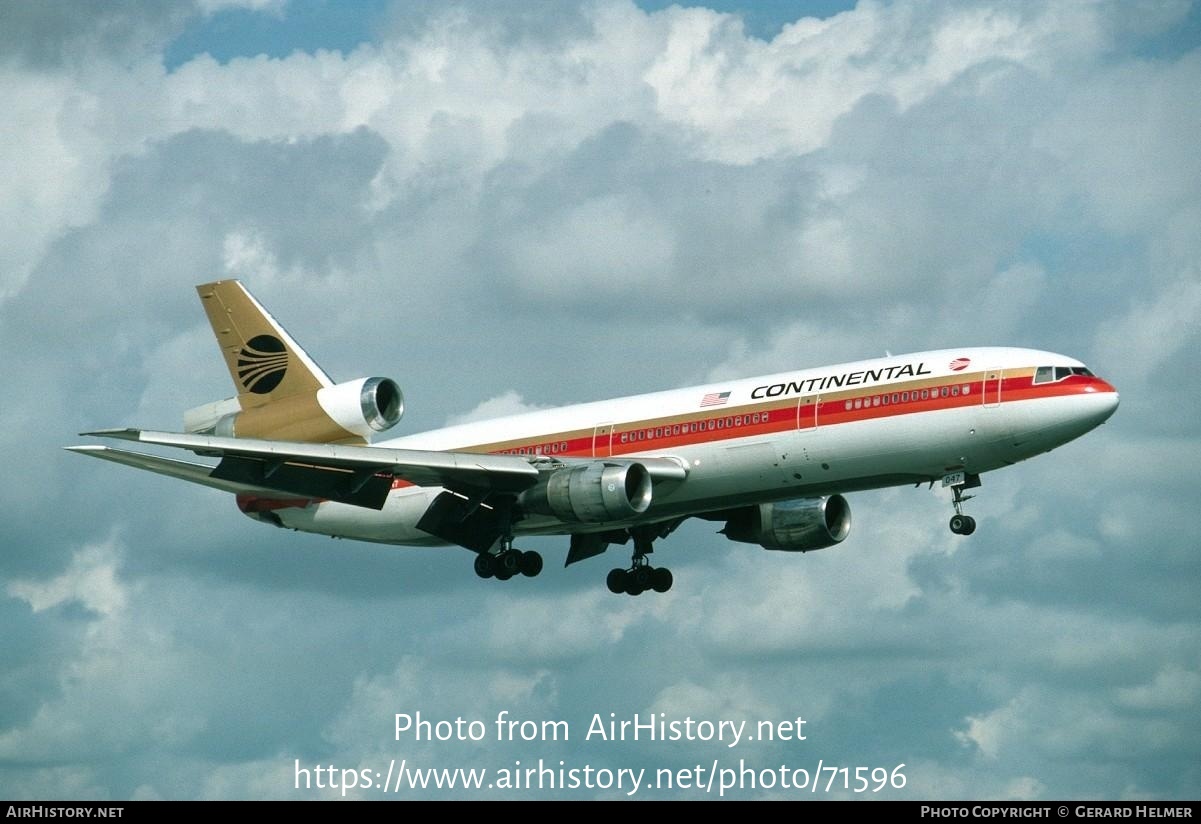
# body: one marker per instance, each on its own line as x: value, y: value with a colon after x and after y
x: 262, y: 363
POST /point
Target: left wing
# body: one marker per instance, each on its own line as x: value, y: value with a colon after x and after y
x: 359, y: 475
x: 190, y: 471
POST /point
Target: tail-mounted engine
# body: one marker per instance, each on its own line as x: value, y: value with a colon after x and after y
x: 592, y: 493
x: 347, y: 412
x: 798, y: 525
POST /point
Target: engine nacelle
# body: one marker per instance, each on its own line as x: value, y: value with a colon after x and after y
x: 363, y: 406
x: 798, y: 525
x: 350, y: 411
x: 592, y: 493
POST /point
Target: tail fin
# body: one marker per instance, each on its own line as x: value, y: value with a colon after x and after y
x: 265, y: 362
x: 282, y: 393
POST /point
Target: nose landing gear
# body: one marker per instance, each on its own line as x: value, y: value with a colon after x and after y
x: 962, y: 524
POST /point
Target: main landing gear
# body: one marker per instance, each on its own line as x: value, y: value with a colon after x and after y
x: 641, y: 576
x: 963, y: 524
x: 507, y: 561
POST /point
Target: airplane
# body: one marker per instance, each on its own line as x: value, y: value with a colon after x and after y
x: 771, y: 457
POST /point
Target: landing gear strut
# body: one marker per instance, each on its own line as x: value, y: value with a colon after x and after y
x: 507, y: 561
x: 962, y: 524
x: 641, y: 576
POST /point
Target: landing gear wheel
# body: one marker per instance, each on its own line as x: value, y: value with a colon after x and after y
x: 963, y: 524
x: 510, y: 562
x: 484, y: 566
x: 531, y: 563
x: 661, y: 579
x: 616, y: 581
x: 639, y: 580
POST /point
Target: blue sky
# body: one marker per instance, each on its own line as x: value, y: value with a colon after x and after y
x: 503, y: 207
x: 308, y: 25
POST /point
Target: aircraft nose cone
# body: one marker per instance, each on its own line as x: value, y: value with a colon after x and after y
x: 1102, y: 402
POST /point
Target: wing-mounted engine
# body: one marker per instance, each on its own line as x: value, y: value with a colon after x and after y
x: 592, y: 493
x: 798, y: 525
x: 347, y: 412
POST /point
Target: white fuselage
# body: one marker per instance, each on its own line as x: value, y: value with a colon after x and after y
x: 809, y: 433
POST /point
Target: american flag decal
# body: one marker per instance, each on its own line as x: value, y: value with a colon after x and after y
x: 715, y: 399
x: 959, y: 364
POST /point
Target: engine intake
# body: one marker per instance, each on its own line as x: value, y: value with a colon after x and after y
x: 592, y: 493
x: 798, y: 525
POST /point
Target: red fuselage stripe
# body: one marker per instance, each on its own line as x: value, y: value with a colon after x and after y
x: 773, y: 416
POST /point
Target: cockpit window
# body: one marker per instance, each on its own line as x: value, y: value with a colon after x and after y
x: 1049, y: 374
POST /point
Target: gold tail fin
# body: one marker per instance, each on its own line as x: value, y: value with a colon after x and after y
x: 282, y: 393
x: 266, y: 364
